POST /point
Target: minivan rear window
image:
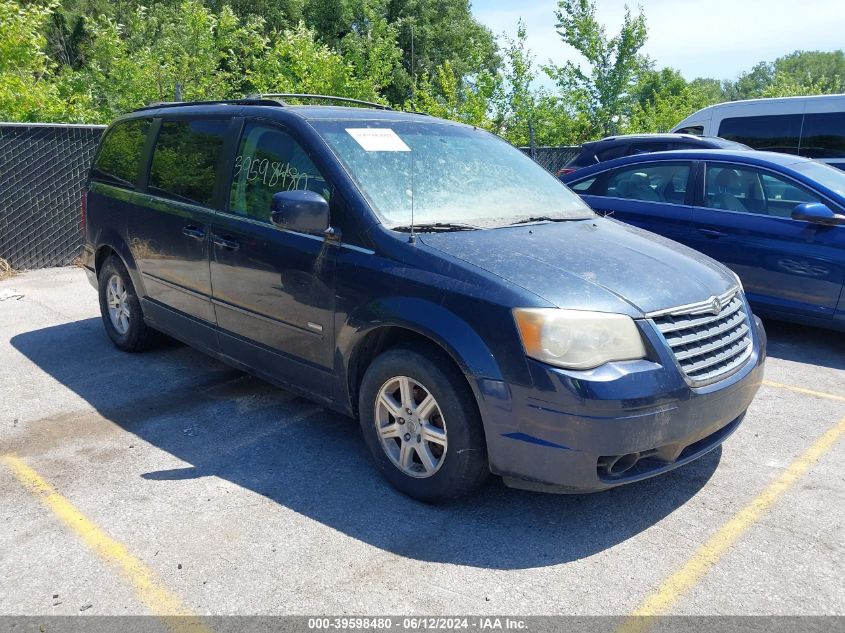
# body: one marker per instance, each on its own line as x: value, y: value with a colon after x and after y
x: 120, y: 155
x: 185, y: 159
x: 775, y: 133
x: 824, y: 135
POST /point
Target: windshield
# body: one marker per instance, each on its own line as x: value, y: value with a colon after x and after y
x: 825, y: 175
x: 460, y: 175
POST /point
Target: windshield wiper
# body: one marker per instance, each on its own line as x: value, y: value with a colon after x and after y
x: 539, y: 218
x: 436, y: 227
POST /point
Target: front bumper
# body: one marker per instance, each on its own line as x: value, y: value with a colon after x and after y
x: 565, y: 432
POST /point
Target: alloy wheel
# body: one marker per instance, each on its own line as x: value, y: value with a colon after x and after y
x: 411, y: 427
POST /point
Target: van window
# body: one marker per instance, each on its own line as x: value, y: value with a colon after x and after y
x: 185, y: 159
x: 697, y: 130
x: 775, y: 133
x: 269, y: 161
x: 823, y: 135
x: 120, y: 155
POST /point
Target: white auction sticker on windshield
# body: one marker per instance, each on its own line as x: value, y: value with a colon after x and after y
x: 378, y: 139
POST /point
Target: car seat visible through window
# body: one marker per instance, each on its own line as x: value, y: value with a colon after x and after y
x: 640, y: 188
x: 727, y: 187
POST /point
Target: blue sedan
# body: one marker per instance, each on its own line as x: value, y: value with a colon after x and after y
x: 778, y: 221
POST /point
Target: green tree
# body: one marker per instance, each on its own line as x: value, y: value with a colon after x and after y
x: 32, y: 86
x: 612, y: 63
x: 663, y: 98
x: 823, y: 70
x: 517, y: 106
x: 155, y: 50
x: 445, y: 94
x: 297, y: 62
x: 666, y: 108
x: 443, y: 31
x: 650, y: 83
x: 371, y: 46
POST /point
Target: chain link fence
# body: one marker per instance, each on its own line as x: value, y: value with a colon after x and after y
x: 554, y: 158
x: 42, y: 168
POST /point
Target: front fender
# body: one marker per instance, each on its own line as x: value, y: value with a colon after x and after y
x: 428, y: 319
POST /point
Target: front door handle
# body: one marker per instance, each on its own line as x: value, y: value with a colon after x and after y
x: 712, y: 233
x: 225, y: 241
x: 194, y: 232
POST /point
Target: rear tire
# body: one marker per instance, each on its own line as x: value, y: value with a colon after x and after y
x: 421, y: 424
x: 121, y: 309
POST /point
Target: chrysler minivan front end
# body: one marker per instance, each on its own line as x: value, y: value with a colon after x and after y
x: 657, y: 393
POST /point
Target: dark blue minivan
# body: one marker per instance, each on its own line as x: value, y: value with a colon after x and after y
x: 425, y: 277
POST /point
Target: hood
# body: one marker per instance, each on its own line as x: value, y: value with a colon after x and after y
x: 598, y: 264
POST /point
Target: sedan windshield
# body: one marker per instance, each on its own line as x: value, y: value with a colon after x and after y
x: 453, y: 174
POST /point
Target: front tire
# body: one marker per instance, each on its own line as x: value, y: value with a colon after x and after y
x: 421, y: 424
x: 121, y: 309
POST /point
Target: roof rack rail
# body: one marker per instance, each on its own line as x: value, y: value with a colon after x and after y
x: 244, y: 101
x: 280, y: 96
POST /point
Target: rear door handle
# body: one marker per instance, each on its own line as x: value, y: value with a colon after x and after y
x: 224, y: 241
x: 194, y: 232
x: 712, y: 232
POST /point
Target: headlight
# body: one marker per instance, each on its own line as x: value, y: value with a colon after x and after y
x: 576, y: 339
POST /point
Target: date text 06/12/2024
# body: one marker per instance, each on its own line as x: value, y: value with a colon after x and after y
x: 417, y: 623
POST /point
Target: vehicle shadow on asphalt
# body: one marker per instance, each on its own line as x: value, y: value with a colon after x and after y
x: 230, y: 425
x: 805, y: 344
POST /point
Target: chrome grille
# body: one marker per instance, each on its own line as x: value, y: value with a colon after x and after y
x: 708, y: 344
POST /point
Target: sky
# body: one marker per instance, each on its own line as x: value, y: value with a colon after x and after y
x: 700, y: 38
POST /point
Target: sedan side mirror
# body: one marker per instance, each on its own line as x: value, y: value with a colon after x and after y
x: 301, y: 211
x: 817, y: 213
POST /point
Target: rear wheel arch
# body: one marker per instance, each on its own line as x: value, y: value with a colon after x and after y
x: 116, y: 247
x: 103, y: 253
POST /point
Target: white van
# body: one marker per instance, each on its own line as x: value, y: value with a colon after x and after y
x: 808, y: 126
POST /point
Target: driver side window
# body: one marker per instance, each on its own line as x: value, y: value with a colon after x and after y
x: 268, y: 161
x: 749, y: 190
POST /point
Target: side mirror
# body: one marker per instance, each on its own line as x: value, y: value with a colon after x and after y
x: 302, y: 211
x: 817, y: 213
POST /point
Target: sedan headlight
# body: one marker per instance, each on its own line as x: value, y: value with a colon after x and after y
x: 576, y: 339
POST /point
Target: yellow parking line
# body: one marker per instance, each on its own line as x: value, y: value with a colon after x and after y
x: 809, y: 392
x: 679, y: 583
x: 155, y: 597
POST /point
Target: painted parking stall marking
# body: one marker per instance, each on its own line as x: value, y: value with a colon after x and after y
x: 808, y: 392
x: 151, y: 592
x: 678, y: 584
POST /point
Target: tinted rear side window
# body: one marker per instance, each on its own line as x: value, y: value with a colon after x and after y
x: 823, y: 135
x: 185, y: 159
x: 614, y: 151
x: 776, y: 133
x: 120, y: 155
